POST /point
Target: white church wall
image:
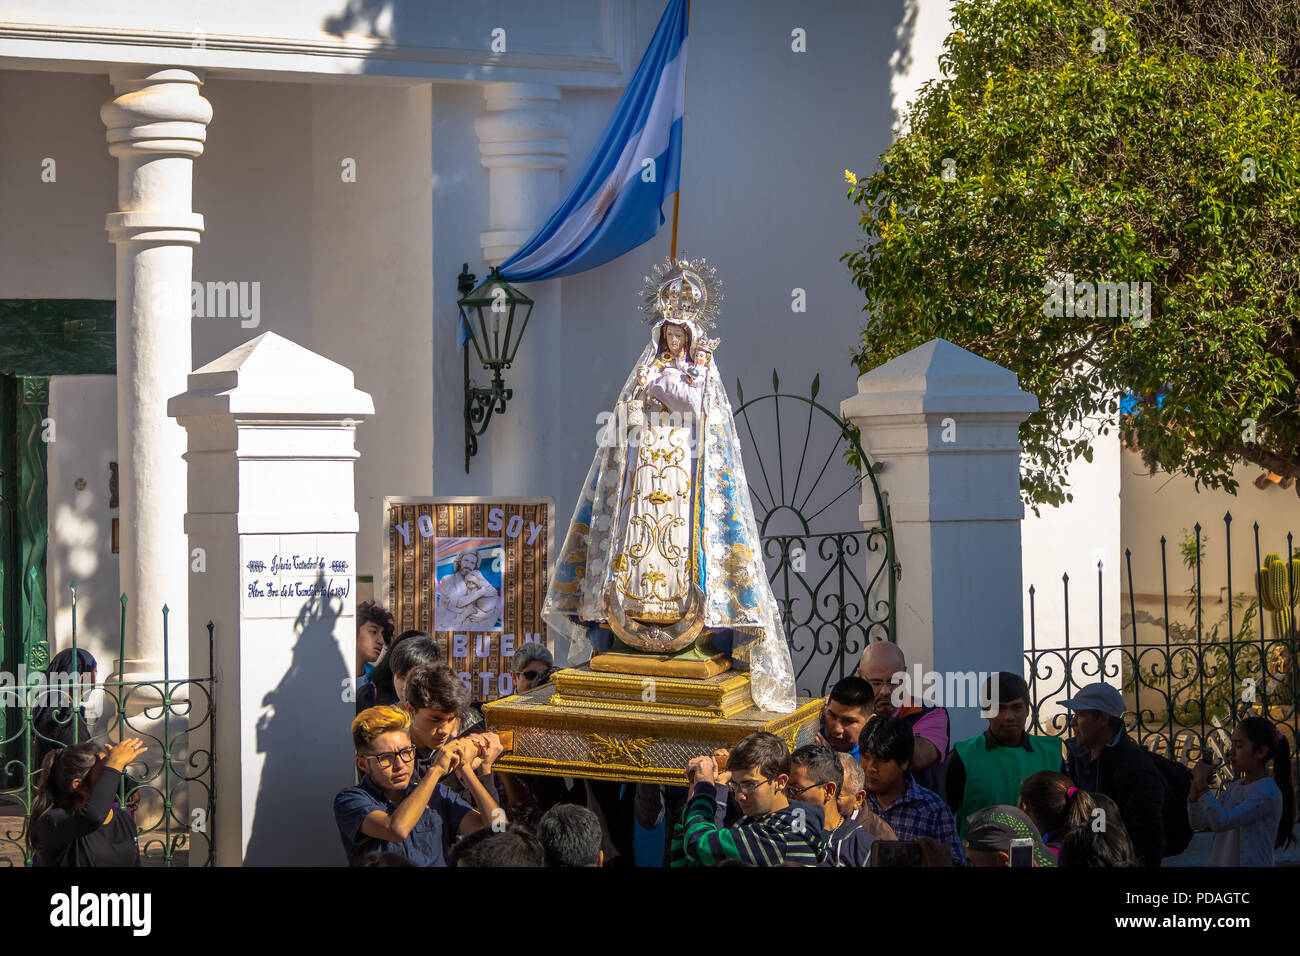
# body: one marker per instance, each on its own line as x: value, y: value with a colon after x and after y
x: 342, y: 268
x: 84, y: 410
x: 55, y: 245
x: 583, y: 42
x: 1071, y: 540
x: 342, y: 265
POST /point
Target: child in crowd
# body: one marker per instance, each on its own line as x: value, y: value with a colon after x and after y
x: 375, y: 628
x: 852, y: 800
x: 1257, y: 812
x: 388, y: 812
x: 816, y: 779
x: 990, y: 830
x: 439, y: 707
x: 1100, y: 846
x: 409, y: 650
x: 1056, y: 805
x: 913, y: 811
x: 771, y: 833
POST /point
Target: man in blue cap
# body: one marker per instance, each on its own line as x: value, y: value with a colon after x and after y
x: 1102, y: 758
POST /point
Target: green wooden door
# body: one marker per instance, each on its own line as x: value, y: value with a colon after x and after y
x: 38, y: 338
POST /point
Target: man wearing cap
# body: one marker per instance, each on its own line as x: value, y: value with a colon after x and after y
x: 1102, y: 758
x: 991, y: 830
x: 988, y: 769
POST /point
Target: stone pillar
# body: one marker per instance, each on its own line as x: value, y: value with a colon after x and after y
x: 944, y: 423
x: 272, y: 431
x: 156, y: 125
x: 524, y: 144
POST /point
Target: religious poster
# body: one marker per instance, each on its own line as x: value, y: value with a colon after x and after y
x: 472, y: 572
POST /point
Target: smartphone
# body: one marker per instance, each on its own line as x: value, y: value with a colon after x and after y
x: 1022, y: 851
x: 896, y: 853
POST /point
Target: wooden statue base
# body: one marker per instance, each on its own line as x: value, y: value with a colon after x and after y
x: 660, y: 665
x: 635, y: 728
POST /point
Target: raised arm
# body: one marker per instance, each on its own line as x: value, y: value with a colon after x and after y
x: 395, y: 827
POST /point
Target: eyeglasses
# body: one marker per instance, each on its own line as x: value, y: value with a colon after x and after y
x: 388, y: 759
x: 533, y: 675
x: 797, y: 792
x: 749, y: 786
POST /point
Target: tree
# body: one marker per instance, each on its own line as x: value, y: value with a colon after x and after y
x: 1067, y: 148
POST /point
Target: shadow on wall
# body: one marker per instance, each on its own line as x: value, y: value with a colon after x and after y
x: 305, y: 716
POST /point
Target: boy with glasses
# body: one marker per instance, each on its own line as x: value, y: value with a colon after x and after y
x: 771, y: 832
x: 816, y: 779
x: 387, y: 813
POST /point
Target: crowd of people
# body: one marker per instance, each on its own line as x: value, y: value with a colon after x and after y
x: 879, y: 784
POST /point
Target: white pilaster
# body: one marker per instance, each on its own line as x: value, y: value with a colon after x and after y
x: 272, y: 431
x: 524, y: 145
x: 156, y: 126
x: 944, y: 423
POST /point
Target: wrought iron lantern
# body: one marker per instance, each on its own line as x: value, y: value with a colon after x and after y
x: 495, y: 315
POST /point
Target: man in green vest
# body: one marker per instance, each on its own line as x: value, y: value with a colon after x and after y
x: 987, y: 770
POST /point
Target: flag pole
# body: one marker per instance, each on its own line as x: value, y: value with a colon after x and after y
x: 677, y: 196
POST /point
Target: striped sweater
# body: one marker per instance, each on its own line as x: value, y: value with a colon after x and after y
x: 792, y: 835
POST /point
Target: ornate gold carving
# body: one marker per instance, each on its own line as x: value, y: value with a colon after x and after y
x: 630, y: 740
x: 613, y: 750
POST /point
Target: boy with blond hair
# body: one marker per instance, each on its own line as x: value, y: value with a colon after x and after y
x: 388, y: 813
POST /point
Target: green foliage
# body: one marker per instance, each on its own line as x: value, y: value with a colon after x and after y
x: 1122, y: 165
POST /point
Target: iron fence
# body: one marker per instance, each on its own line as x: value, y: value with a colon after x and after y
x: 170, y: 788
x: 1191, y: 672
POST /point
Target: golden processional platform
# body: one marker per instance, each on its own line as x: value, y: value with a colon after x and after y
x: 599, y: 722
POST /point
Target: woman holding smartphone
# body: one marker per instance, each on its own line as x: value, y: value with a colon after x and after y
x: 76, y: 820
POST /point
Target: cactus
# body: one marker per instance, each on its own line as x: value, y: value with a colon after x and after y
x: 1278, y: 594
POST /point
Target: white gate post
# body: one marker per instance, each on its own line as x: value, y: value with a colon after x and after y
x: 272, y: 529
x: 944, y: 423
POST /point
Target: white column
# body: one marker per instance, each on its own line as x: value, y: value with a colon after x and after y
x: 156, y: 126
x: 944, y: 423
x: 524, y: 145
x: 272, y: 431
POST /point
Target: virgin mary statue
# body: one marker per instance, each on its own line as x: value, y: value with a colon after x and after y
x: 663, y: 555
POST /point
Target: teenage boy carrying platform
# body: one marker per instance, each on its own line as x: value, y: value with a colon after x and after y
x: 770, y: 833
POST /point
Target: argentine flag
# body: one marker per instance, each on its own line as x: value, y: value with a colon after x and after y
x: 615, y: 202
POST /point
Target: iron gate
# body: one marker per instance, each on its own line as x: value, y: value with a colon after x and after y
x: 171, y: 785
x: 835, y: 588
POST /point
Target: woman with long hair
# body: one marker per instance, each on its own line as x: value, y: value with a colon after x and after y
x: 75, y: 820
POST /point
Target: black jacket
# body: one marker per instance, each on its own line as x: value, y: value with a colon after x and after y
x: 1126, y: 774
